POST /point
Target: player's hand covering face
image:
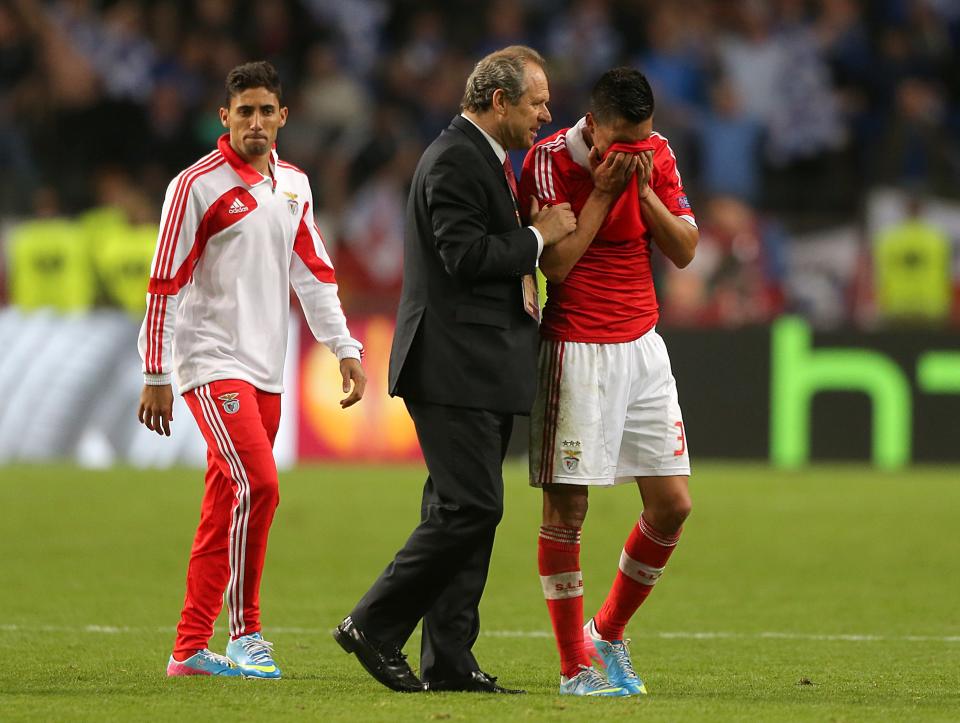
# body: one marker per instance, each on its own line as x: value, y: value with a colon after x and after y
x: 644, y: 173
x: 611, y: 174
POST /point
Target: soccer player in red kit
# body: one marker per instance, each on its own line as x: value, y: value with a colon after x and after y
x: 236, y: 232
x: 607, y: 410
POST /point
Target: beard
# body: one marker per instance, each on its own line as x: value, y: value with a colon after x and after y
x: 256, y: 148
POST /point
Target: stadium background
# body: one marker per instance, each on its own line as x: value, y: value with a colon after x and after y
x: 819, y: 142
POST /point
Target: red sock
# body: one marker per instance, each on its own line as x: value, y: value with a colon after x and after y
x: 558, y: 556
x: 644, y: 556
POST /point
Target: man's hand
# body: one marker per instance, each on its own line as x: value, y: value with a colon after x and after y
x: 553, y: 222
x: 644, y: 174
x: 611, y: 175
x: 156, y: 408
x: 351, y: 370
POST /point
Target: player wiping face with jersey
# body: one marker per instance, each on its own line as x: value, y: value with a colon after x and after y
x: 607, y: 409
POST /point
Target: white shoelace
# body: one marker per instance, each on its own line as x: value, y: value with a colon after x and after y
x: 222, y: 659
x: 260, y: 651
x: 592, y: 679
x: 623, y: 658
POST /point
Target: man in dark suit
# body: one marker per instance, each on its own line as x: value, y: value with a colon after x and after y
x: 464, y: 360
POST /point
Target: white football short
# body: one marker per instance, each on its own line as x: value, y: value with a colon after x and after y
x: 606, y: 413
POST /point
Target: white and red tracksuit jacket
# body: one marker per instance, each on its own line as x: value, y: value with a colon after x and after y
x: 231, y: 244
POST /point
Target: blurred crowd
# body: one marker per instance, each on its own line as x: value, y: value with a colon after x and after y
x: 783, y: 114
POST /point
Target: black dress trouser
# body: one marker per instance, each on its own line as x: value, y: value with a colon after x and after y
x: 440, y: 572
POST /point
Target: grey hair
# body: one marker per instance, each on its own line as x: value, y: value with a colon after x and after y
x: 501, y: 70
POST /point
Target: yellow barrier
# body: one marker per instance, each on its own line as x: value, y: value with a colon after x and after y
x: 123, y: 264
x: 50, y: 266
x: 71, y: 264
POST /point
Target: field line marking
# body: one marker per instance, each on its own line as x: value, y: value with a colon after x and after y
x: 677, y: 635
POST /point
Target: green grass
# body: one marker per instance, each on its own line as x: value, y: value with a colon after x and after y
x: 774, y: 572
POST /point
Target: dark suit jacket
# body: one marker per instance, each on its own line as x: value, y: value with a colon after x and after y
x: 462, y: 336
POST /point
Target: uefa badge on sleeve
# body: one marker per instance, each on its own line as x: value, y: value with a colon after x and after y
x: 230, y: 402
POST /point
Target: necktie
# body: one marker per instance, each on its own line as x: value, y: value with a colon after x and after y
x: 531, y: 304
x: 511, y: 178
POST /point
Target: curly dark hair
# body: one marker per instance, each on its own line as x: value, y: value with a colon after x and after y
x: 258, y: 74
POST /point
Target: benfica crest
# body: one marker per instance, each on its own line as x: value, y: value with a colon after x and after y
x: 292, y: 202
x: 231, y: 405
x: 570, y: 459
x: 570, y: 451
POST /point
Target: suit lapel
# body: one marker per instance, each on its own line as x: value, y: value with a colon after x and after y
x: 474, y: 135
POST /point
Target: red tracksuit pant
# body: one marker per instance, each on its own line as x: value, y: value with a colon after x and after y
x: 240, y: 424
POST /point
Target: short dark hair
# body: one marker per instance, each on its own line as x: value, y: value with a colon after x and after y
x: 258, y: 74
x: 621, y: 93
x: 502, y: 69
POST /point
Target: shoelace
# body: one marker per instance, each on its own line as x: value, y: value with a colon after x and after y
x: 216, y: 657
x: 259, y: 650
x: 591, y: 678
x: 623, y: 658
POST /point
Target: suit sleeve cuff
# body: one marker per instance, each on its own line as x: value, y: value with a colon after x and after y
x: 539, y: 240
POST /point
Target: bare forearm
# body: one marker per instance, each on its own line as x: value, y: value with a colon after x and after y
x: 557, y: 260
x: 676, y: 238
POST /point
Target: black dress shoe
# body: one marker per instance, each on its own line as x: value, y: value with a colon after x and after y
x: 385, y: 663
x: 476, y: 682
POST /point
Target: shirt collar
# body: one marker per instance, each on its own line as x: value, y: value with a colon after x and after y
x: 247, y: 173
x: 576, y: 145
x: 497, y: 148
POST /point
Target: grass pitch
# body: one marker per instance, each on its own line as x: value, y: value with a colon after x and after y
x: 829, y: 594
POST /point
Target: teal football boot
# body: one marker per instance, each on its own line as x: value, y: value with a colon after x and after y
x: 588, y: 682
x: 253, y: 656
x: 614, y: 656
x: 203, y: 662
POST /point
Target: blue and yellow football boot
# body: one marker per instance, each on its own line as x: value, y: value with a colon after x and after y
x: 614, y: 656
x: 589, y: 682
x: 203, y: 662
x: 253, y: 656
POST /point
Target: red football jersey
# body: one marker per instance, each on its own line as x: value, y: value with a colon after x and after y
x: 608, y: 296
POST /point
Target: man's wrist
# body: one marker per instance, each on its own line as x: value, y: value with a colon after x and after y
x: 607, y: 196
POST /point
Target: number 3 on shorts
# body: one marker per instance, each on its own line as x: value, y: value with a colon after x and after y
x: 680, y: 438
